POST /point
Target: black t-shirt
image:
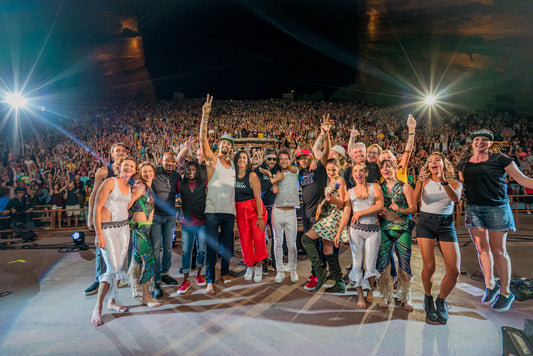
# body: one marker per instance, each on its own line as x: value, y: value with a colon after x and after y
x: 164, y: 186
x: 313, y: 184
x: 267, y: 195
x: 484, y: 182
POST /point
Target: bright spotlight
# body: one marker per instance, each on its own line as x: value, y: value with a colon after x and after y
x: 16, y: 100
x: 430, y: 100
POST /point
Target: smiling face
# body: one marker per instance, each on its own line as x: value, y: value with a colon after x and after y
x: 128, y: 168
x: 270, y: 161
x: 359, y: 173
x: 169, y: 162
x: 119, y: 152
x: 481, y: 144
x: 224, y: 147
x: 304, y: 161
x: 435, y: 164
x: 358, y: 153
x: 242, y: 162
x: 147, y: 173
x: 284, y: 161
x: 332, y: 170
x: 388, y: 171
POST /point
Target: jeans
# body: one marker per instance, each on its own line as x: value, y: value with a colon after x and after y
x: 163, y: 228
x: 99, y: 265
x: 213, y: 221
x: 188, y: 233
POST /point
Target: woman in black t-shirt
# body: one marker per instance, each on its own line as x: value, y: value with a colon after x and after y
x: 488, y: 215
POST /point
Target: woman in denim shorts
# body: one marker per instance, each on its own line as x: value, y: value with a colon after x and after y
x: 488, y: 215
x: 437, y: 191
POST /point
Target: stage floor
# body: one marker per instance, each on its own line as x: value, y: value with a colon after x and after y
x: 46, y: 312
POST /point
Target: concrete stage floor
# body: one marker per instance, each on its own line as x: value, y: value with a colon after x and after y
x: 46, y: 312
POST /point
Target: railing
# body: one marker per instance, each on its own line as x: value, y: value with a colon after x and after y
x: 44, y: 213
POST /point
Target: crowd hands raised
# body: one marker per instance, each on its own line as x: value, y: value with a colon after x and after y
x: 364, y: 196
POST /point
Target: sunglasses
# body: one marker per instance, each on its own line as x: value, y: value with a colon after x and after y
x: 272, y: 159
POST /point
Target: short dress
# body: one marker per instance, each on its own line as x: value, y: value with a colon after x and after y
x: 328, y: 226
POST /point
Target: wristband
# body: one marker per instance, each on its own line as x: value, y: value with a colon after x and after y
x: 411, y: 133
x: 445, y: 183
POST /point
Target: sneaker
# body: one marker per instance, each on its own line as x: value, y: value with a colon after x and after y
x: 258, y: 275
x: 294, y: 277
x: 503, y: 303
x: 311, y: 284
x: 249, y: 274
x: 311, y: 276
x: 165, y: 278
x: 200, y: 280
x: 442, y: 310
x: 491, y: 294
x: 429, y: 307
x: 93, y: 289
x: 185, y: 286
x: 157, y: 293
x: 279, y: 277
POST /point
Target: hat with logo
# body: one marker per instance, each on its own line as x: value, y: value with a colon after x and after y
x: 227, y: 137
x: 303, y: 152
x: 483, y: 132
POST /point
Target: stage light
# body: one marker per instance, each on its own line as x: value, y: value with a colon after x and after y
x: 430, y: 100
x: 16, y: 100
x: 78, y: 238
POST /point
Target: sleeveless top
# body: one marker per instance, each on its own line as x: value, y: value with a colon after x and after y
x: 360, y: 204
x: 399, y: 198
x: 435, y: 200
x: 288, y: 191
x: 145, y: 203
x: 117, y: 203
x: 243, y: 189
x: 221, y: 190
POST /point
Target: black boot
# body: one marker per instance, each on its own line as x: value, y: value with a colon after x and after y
x: 336, y: 273
x: 442, y: 310
x: 312, y: 253
x: 429, y: 307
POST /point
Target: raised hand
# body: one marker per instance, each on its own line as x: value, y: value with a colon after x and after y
x: 411, y: 123
x: 423, y: 176
x: 206, y: 109
x: 354, y: 132
x: 326, y: 123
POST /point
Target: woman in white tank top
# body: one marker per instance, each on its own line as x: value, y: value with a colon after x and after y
x: 365, y: 200
x: 437, y: 191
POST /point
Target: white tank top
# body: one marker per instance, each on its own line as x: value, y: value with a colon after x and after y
x: 117, y: 203
x: 288, y: 191
x: 221, y: 190
x: 435, y: 200
x: 360, y: 204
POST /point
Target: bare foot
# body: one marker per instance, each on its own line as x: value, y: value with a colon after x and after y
x: 97, y: 317
x: 152, y: 303
x: 361, y: 303
x: 112, y: 305
x: 226, y: 279
x: 210, y: 290
x: 369, y: 296
x: 384, y: 303
x: 407, y: 305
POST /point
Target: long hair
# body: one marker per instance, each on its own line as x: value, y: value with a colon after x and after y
x: 248, y: 161
x: 390, y: 162
x: 361, y: 164
x: 141, y: 166
x: 449, y: 172
x: 198, y: 175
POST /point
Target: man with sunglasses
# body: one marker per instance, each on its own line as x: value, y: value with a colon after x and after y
x: 266, y: 172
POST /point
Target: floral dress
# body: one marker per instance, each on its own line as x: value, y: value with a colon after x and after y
x: 328, y: 226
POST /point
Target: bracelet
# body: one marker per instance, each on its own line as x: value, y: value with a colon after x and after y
x: 411, y: 133
x: 445, y: 183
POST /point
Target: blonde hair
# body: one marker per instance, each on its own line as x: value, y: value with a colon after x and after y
x: 449, y: 171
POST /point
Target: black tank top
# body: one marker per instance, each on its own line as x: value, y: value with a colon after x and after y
x: 243, y: 189
x: 110, y: 171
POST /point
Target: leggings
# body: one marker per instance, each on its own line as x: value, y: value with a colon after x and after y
x: 401, y: 241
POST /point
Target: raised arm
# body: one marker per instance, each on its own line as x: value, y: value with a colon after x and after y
x: 519, y: 177
x: 411, y: 124
x: 353, y: 134
x: 326, y: 125
x: 210, y: 158
x: 318, y: 143
x: 184, y: 151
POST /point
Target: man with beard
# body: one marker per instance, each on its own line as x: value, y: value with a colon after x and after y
x: 118, y: 150
x: 266, y: 172
x: 313, y: 180
x: 164, y: 223
x: 220, y: 201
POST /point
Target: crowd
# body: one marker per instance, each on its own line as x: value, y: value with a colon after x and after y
x: 356, y: 174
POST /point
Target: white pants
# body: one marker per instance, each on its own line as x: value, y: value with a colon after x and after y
x: 285, y: 222
x: 366, y: 242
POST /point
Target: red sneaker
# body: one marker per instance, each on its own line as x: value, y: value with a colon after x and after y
x: 183, y: 288
x: 311, y: 276
x: 200, y: 280
x: 311, y: 285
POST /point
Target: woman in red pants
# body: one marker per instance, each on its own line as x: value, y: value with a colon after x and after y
x: 251, y: 217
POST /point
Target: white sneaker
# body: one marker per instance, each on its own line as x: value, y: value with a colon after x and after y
x: 258, y: 274
x: 279, y: 277
x: 294, y: 277
x: 249, y: 274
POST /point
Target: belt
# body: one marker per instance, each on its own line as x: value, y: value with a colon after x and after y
x: 366, y: 227
x: 285, y: 207
x: 114, y: 224
x: 137, y: 224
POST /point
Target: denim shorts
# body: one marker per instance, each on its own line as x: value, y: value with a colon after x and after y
x: 438, y: 227
x: 494, y: 218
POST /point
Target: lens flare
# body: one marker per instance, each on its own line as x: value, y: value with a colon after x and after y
x: 16, y: 100
x: 430, y: 100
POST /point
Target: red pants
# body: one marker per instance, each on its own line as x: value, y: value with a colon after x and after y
x: 253, y: 244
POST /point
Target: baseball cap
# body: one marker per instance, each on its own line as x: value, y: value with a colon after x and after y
x: 303, y: 152
x: 227, y: 137
x: 483, y: 132
x: 270, y: 151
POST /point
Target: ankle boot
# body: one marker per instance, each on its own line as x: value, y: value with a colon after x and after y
x: 312, y: 253
x: 442, y: 310
x: 429, y: 307
x: 336, y: 273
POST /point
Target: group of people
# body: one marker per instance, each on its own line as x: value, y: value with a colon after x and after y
x: 362, y: 198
